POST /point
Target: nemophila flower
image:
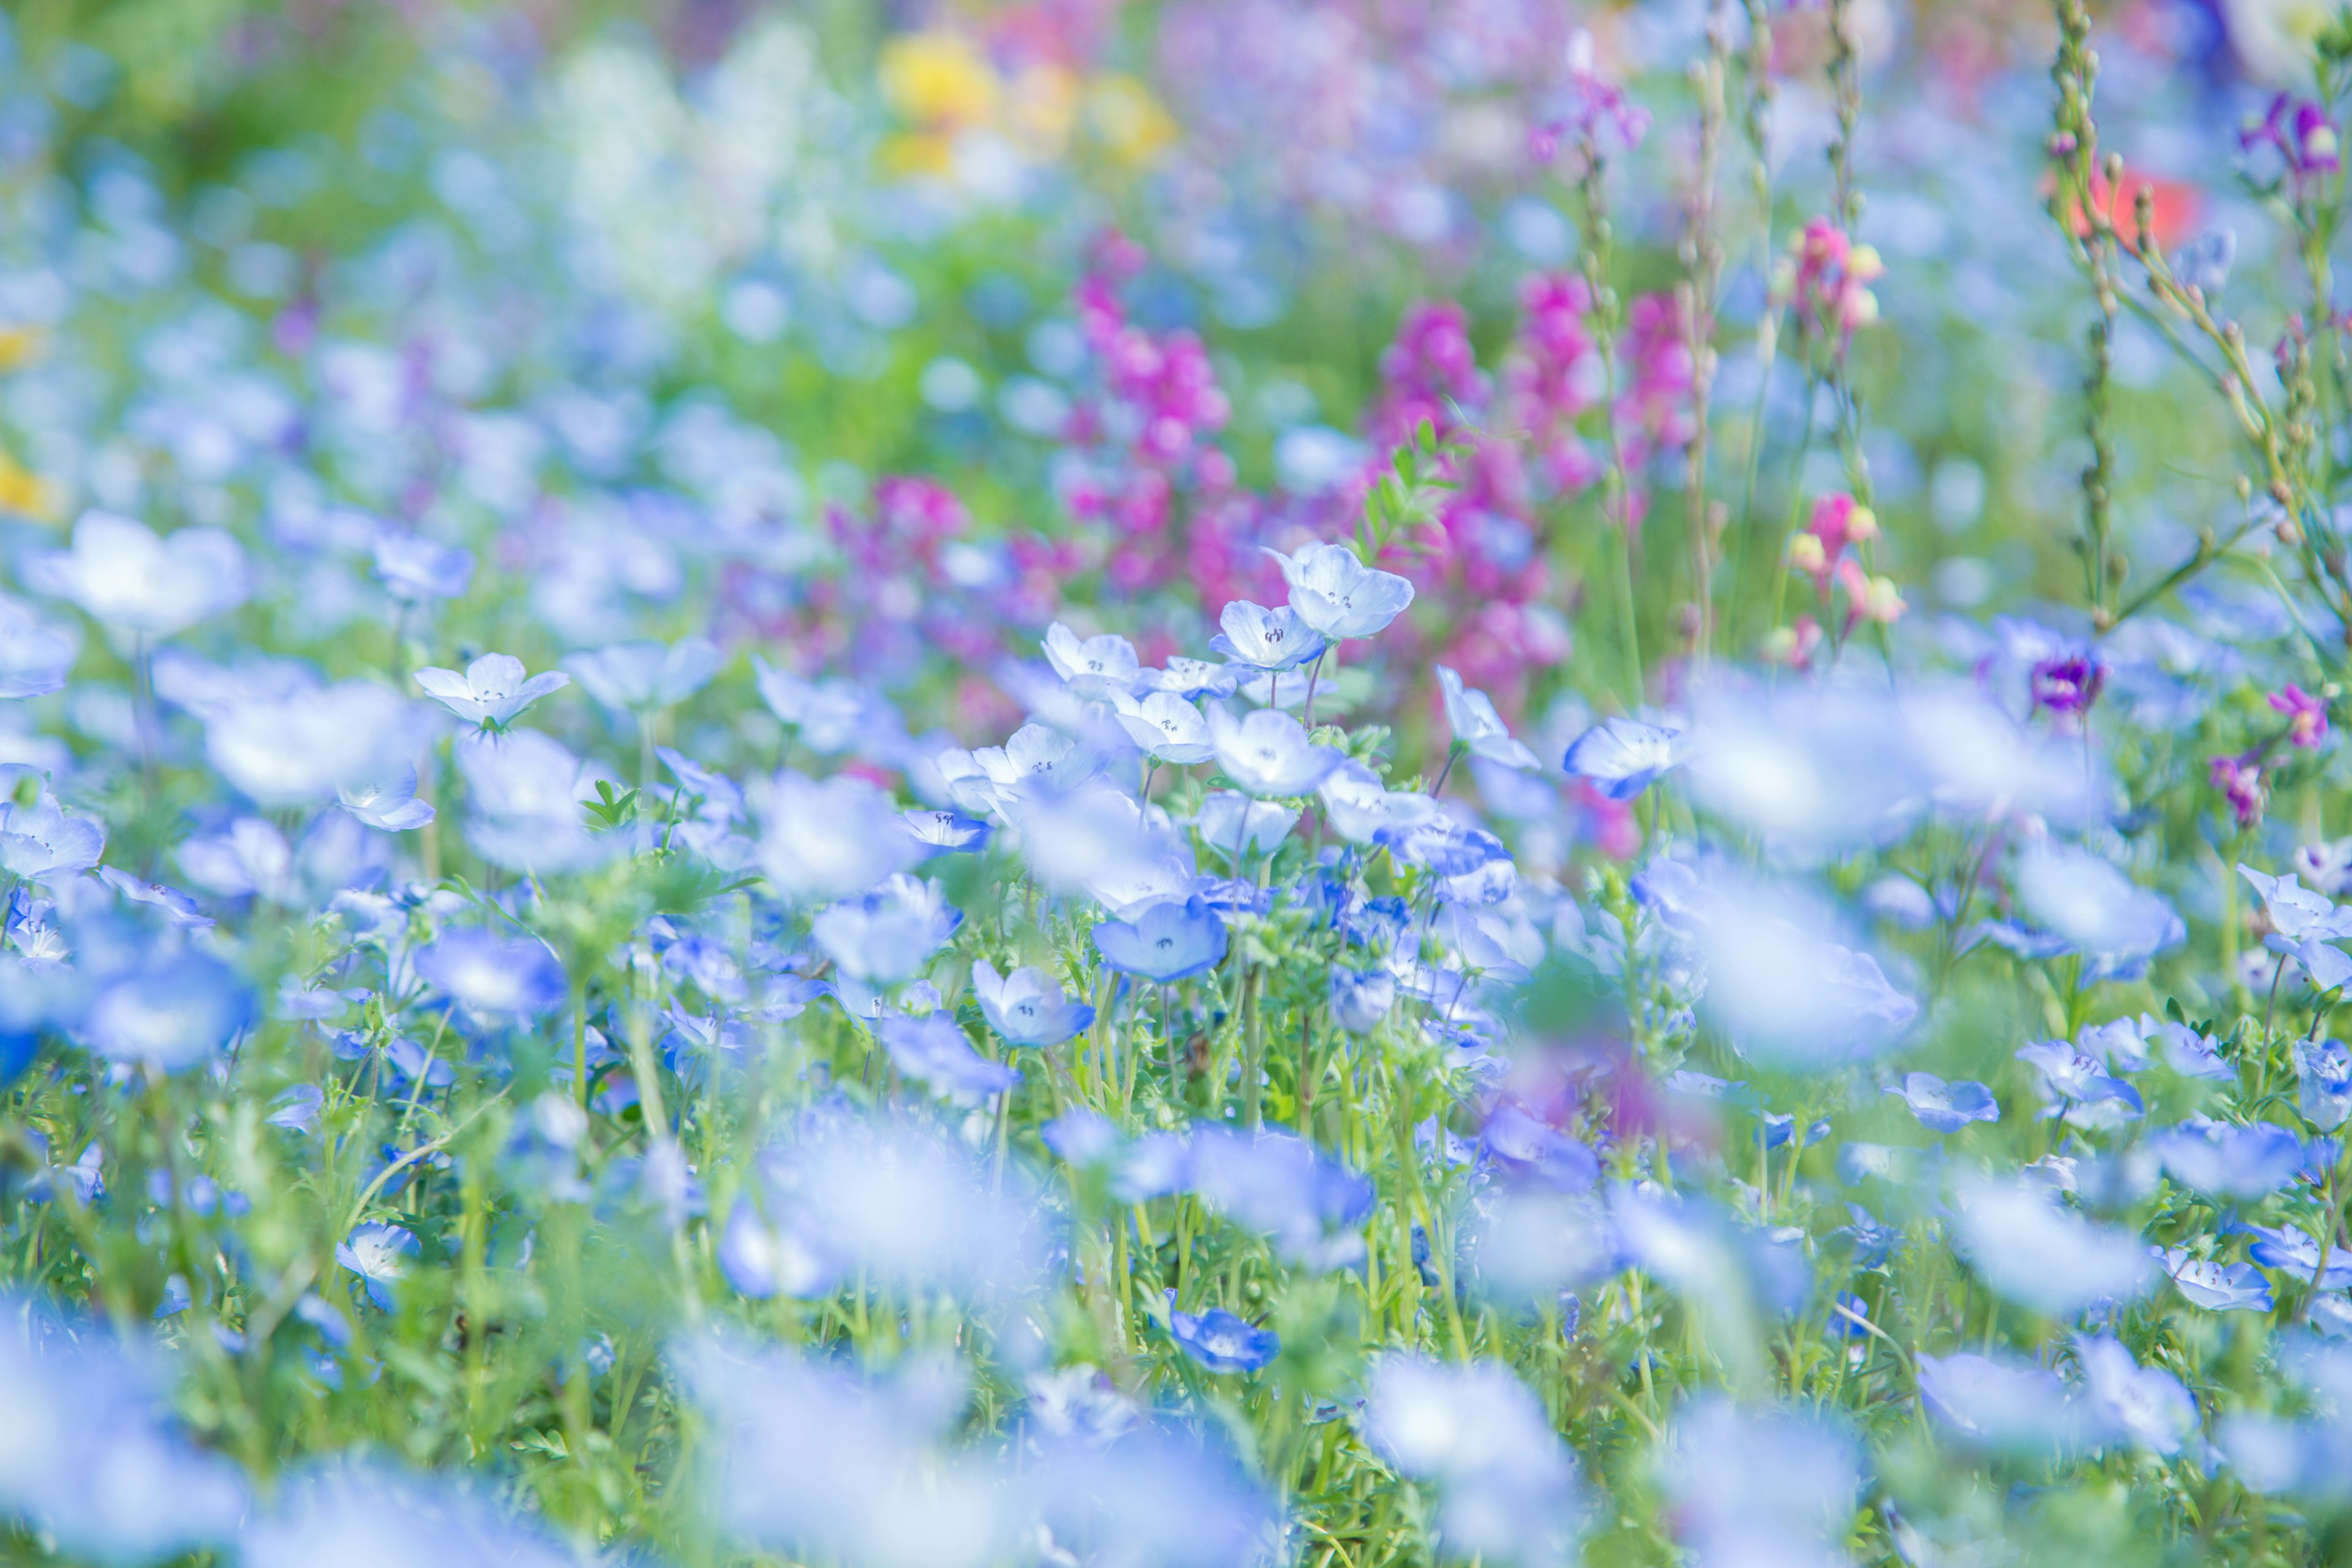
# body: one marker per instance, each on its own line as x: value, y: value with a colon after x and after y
x: 1535, y: 1150
x: 639, y: 676
x: 2186, y: 1052
x: 493, y: 974
x: 379, y: 1254
x: 299, y: 749
x: 1027, y: 1007
x: 762, y: 1260
x: 2034, y: 1253
x: 2079, y: 1087
x: 2306, y: 716
x: 492, y: 691
x: 2084, y: 899
x: 2295, y: 911
x: 949, y: 832
x: 2005, y: 1405
x: 1337, y: 595
x: 1164, y: 941
x: 1475, y: 725
x: 1036, y: 764
x: 1758, y: 1485
x: 1094, y: 667
x: 1946, y: 1107
x: 1220, y: 1341
x: 823, y: 840
x: 1310, y: 1206
x: 1621, y: 756
x: 34, y: 657
x: 1506, y: 1481
x: 1781, y: 983
x: 387, y: 801
x: 2144, y: 1406
x: 1269, y: 754
x: 832, y: 716
x: 357, y: 1514
x: 298, y: 1109
x: 94, y: 1462
x: 1166, y: 727
x: 2218, y: 1287
x: 524, y: 793
x: 168, y: 1015
x: 413, y: 568
x: 252, y: 858
x: 1360, y: 999
x: 2322, y: 1082
x: 933, y: 1049
x: 1265, y: 639
x: 890, y: 934
x: 2243, y: 1163
x: 42, y: 840
x: 1231, y: 824
x: 2292, y: 1251
x: 1189, y: 679
x: 121, y: 574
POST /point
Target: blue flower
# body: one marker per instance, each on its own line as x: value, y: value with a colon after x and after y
x: 2218, y: 1287
x: 821, y: 841
x: 2242, y: 1163
x: 1361, y: 999
x: 525, y: 792
x: 2290, y: 1249
x: 1308, y: 1206
x: 379, y: 1254
x: 2322, y: 1073
x: 762, y: 1259
x: 934, y: 1050
x: 178, y: 907
x: 387, y: 801
x: 1946, y: 1107
x: 1190, y: 679
x: 2031, y: 1252
x: 831, y: 715
x: 34, y: 657
x: 1027, y: 1007
x: 1095, y: 667
x: 493, y: 690
x: 1336, y: 595
x: 639, y: 677
x: 490, y: 973
x: 1165, y: 726
x: 1231, y: 824
x: 43, y: 840
x: 1265, y: 639
x: 169, y: 1016
x: 2146, y: 1405
x: 123, y: 575
x: 1220, y: 1341
x: 1620, y: 756
x: 1082, y: 1137
x: 2076, y: 895
x: 1506, y: 1481
x: 1168, y: 940
x: 352, y: 1513
x: 414, y: 568
x: 1268, y: 753
x: 890, y: 934
x: 1535, y: 1149
x: 2010, y: 1406
x: 949, y: 832
x: 299, y: 749
x: 1476, y: 726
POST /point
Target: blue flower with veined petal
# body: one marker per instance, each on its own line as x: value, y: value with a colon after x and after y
x: 1268, y: 753
x: 1621, y: 756
x: 1027, y: 1007
x: 1220, y: 1341
x: 2243, y: 1163
x: 932, y: 1048
x: 1167, y: 941
x: 1476, y: 726
x: 379, y: 1254
x: 2218, y: 1287
x: 493, y: 690
x: 1946, y: 1107
x: 1336, y: 595
x: 1273, y: 640
x: 890, y: 934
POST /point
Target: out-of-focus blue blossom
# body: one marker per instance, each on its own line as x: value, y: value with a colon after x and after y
x: 2290, y: 1248
x: 639, y: 676
x: 388, y: 801
x: 1946, y: 1107
x: 34, y: 657
x: 414, y: 568
x: 1233, y: 823
x: 525, y: 791
x: 124, y: 576
x: 1082, y: 1137
x: 1750, y: 1485
x: 1360, y: 809
x: 1220, y: 1341
x: 43, y: 840
x: 493, y: 974
x: 1273, y: 640
x: 1146, y: 1494
x: 933, y: 1050
x: 2034, y: 1253
x: 178, y: 907
x: 1471, y: 715
x: 827, y: 840
x: 1361, y: 999
x: 890, y: 934
x: 169, y: 1014
x: 1027, y: 1007
x: 251, y: 860
x: 1167, y: 941
x: 1190, y: 679
x: 298, y: 1109
x: 1621, y: 756
x: 2218, y: 1287
x: 1337, y: 595
x: 1506, y: 1483
x: 358, y: 1514
x: 1310, y: 1206
x: 2144, y: 1406
x: 1998, y: 1404
x: 1269, y: 754
x: 1779, y: 981
x: 299, y: 749
x: 493, y: 690
x: 2323, y: 1074
x: 2223, y: 1161
x: 379, y: 1253
x: 762, y: 1259
x: 2097, y: 910
x: 1529, y: 1147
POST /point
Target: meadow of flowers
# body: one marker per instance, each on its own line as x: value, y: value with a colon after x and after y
x: 1174, y: 786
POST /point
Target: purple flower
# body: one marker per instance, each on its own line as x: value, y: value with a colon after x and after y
x: 2069, y: 683
x: 2306, y: 716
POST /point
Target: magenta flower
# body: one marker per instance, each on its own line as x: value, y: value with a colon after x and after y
x: 2070, y: 683
x: 2306, y: 716
x: 2240, y: 780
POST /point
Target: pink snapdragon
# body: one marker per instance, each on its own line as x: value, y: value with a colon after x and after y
x: 1827, y: 280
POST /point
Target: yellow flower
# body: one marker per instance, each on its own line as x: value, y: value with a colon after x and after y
x: 1040, y: 108
x: 18, y: 345
x: 1132, y: 125
x: 924, y: 153
x: 939, y: 79
x: 1805, y: 555
x: 24, y: 493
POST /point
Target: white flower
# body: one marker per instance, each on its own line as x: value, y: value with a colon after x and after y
x: 121, y: 574
x: 1476, y: 725
x: 1337, y: 594
x: 492, y: 690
